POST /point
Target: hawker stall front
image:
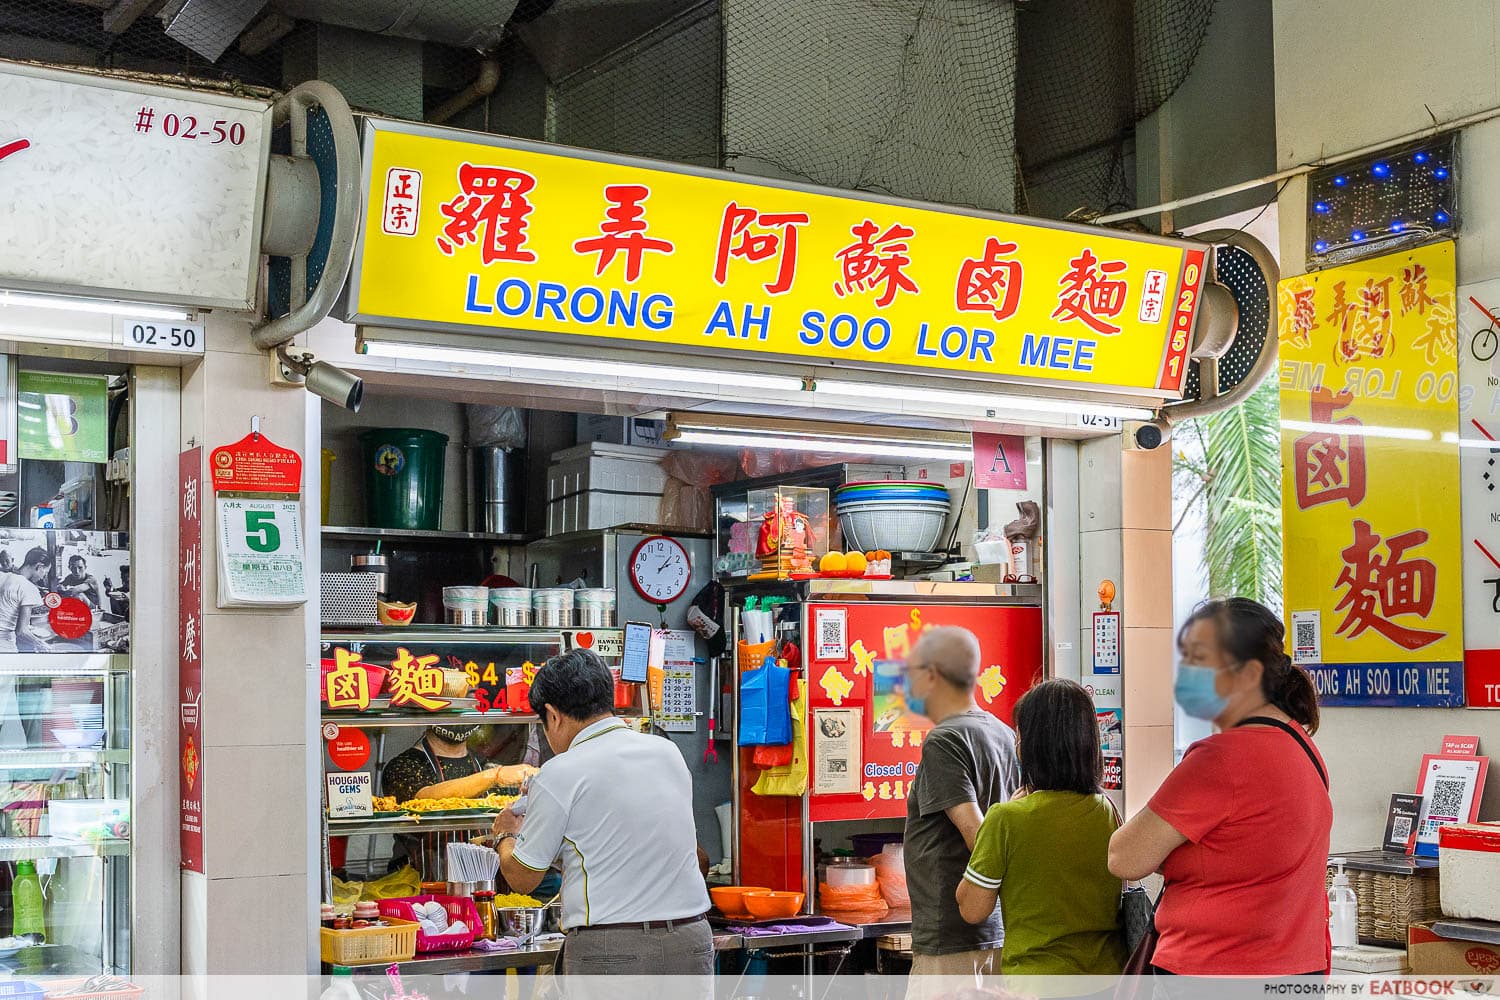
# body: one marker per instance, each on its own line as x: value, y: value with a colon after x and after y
x: 748, y: 440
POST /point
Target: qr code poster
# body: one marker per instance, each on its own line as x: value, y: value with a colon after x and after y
x: 1307, y: 637
x: 831, y: 635
x: 1449, y: 787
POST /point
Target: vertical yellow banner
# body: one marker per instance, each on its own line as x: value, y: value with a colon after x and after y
x: 1370, y: 479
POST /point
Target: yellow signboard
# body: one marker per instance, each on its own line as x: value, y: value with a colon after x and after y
x: 484, y: 234
x: 1370, y: 478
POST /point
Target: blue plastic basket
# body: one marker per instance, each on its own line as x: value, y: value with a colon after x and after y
x: 20, y: 989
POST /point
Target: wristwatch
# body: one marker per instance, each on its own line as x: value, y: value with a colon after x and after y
x: 502, y: 838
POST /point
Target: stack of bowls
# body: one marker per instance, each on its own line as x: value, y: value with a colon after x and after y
x: 898, y: 516
x: 552, y: 608
x: 87, y: 730
x: 467, y: 605
x: 511, y: 606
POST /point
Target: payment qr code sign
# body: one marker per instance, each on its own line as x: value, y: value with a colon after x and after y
x: 1401, y: 828
x: 1307, y: 637
x: 1450, y: 791
x: 831, y: 629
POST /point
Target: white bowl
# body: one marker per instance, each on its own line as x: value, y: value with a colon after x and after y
x: 78, y: 739
x: 894, y: 531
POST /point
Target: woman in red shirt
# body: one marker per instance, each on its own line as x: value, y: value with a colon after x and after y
x: 1240, y: 828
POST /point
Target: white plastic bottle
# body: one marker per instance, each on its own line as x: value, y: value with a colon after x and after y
x: 1343, y: 909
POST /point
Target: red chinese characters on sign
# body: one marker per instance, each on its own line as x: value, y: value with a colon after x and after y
x: 348, y: 685
x: 1414, y: 290
x: 1304, y: 318
x: 14, y: 146
x: 1329, y: 466
x: 624, y: 231
x: 877, y: 262
x: 754, y: 236
x: 254, y: 464
x: 1365, y: 324
x: 1091, y: 294
x: 189, y: 663
x: 991, y: 283
x: 1380, y: 587
x: 491, y: 209
x: 1439, y: 337
x: 403, y: 201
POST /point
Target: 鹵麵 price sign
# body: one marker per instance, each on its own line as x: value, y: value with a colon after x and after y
x: 1370, y: 479
x: 260, y: 552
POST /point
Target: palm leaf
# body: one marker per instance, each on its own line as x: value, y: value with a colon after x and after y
x: 1240, y: 471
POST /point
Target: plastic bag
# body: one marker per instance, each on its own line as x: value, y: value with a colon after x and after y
x: 890, y: 876
x: 497, y: 427
x: 403, y: 882
x: 765, y: 715
x: 852, y: 900
x: 686, y: 501
x: 790, y: 780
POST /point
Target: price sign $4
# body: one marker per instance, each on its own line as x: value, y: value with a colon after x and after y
x: 482, y: 682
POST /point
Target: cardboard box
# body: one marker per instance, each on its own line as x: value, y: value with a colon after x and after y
x: 1431, y: 955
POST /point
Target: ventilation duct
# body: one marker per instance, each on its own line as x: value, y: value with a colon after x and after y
x: 462, y: 23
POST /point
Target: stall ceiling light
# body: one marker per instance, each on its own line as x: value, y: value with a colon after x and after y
x: 1358, y: 430
x: 576, y: 368
x: 740, y: 439
x: 980, y: 400
x: 110, y: 307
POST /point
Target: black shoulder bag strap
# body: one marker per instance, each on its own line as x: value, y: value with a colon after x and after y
x: 1295, y: 733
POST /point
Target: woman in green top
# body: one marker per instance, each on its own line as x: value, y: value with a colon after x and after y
x: 1044, y: 854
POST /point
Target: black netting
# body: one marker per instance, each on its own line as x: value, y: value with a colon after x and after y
x: 1015, y: 105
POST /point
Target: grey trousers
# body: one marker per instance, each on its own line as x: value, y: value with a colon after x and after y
x: 685, y: 950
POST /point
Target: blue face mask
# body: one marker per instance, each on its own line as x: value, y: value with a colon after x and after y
x: 915, y: 705
x: 1194, y: 691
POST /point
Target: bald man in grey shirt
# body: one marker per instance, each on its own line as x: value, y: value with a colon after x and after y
x: 968, y: 764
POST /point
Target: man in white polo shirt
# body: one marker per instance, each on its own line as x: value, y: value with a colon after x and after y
x: 617, y: 807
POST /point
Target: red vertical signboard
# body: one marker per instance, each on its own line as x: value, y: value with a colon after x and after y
x: 189, y: 660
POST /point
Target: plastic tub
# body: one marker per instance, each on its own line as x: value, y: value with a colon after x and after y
x: 595, y: 608
x: 404, y: 477
x: 867, y: 845
x: 458, y: 907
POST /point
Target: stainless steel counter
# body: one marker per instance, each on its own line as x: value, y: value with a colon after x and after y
x: 445, y: 963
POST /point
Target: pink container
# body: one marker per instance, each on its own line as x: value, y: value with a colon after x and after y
x: 458, y: 907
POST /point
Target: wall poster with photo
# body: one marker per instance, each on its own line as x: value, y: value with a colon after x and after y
x: 64, y: 591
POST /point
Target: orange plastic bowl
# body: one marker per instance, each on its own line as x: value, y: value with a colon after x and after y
x: 392, y: 613
x: 730, y: 898
x: 769, y: 905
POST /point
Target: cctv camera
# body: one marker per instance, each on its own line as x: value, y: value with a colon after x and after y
x: 1147, y: 436
x: 335, y: 385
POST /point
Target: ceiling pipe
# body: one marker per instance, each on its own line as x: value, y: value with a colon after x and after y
x: 483, y: 86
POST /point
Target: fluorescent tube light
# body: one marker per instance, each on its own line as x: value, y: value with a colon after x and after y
x: 981, y: 400
x: 914, y: 449
x: 579, y: 367
x: 106, y: 306
x: 1358, y: 430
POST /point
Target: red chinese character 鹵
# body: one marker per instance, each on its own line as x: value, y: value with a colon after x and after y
x: 1382, y: 587
x: 1330, y: 466
x: 991, y: 283
x: 1089, y: 292
x: 877, y: 262
x: 623, y: 231
x: 494, y: 199
x: 759, y: 236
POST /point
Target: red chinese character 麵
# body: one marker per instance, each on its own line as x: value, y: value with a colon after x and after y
x: 754, y: 236
x: 877, y: 262
x: 1382, y: 587
x: 1089, y: 292
x: 494, y: 199
x: 623, y: 231
x: 991, y: 283
x: 1329, y: 466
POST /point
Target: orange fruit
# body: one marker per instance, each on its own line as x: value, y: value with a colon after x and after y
x: 856, y: 562
x: 833, y: 562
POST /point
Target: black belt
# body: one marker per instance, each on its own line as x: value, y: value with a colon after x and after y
x: 644, y: 925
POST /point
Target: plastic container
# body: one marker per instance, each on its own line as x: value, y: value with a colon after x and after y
x: 599, y: 485
x: 552, y: 608
x: 595, y: 607
x: 510, y: 606
x: 30, y: 908
x: 467, y: 605
x: 867, y: 845
x: 1343, y: 909
x: 894, y: 527
x: 20, y: 989
x: 83, y: 818
x: 1469, y: 870
x: 849, y: 873
x: 395, y: 942
x: 890, y: 875
x: 404, y: 477
x: 458, y: 907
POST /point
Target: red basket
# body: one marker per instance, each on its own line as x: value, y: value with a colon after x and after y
x: 458, y: 907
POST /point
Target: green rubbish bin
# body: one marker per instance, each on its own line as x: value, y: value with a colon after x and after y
x: 404, y: 477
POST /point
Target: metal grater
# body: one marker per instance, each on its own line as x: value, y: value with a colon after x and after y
x: 349, y: 599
